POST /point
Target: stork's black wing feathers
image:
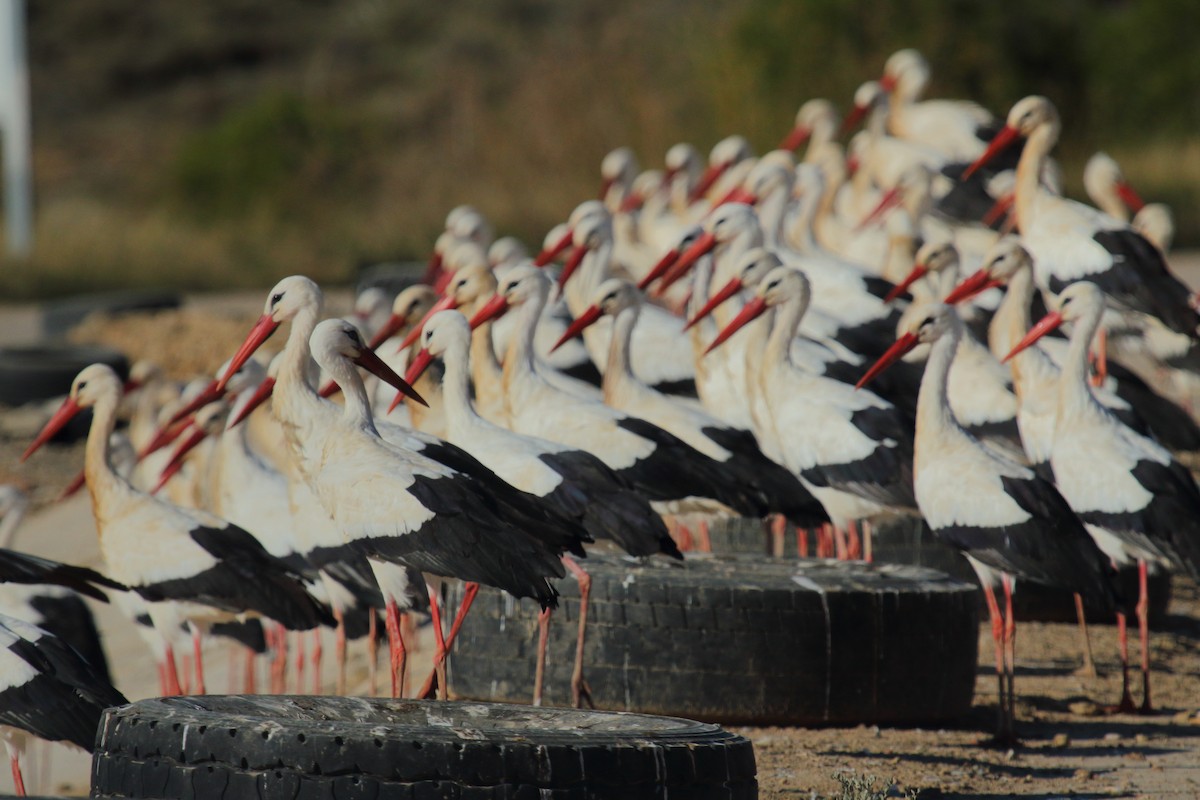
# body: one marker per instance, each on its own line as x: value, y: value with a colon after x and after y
x: 246, y: 578
x: 784, y: 492
x: 1052, y: 547
x: 1139, y: 279
x: 67, y: 616
x: 466, y: 539
x: 606, y: 505
x: 64, y: 701
x: 24, y: 568
x: 675, y: 470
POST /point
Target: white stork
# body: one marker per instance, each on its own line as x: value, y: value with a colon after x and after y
x: 1136, y: 500
x: 1010, y: 523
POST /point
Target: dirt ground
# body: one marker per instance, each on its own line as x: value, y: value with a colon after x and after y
x: 1071, y: 747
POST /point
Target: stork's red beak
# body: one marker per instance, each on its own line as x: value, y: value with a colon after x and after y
x: 999, y: 209
x: 210, y: 394
x: 176, y: 463
x: 260, y: 396
x: 1044, y: 326
x: 1003, y: 139
x: 888, y: 82
x: 165, y: 435
x: 632, y: 202
x: 891, y: 198
x: 853, y: 118
x: 727, y: 291
x: 573, y: 262
x: 74, y: 486
x: 700, y: 247
x: 491, y: 310
x: 589, y: 316
x: 261, y: 331
x: 796, y: 137
x: 379, y: 368
x: 738, y: 194
x: 387, y: 330
x: 710, y: 176
x: 446, y: 303
x: 979, y: 281
x: 1129, y: 197
x: 416, y: 369
x: 664, y: 264
x: 752, y: 310
x: 548, y: 254
x: 900, y: 288
x: 65, y: 413
x: 433, y: 270
x: 605, y: 185
x: 893, y: 354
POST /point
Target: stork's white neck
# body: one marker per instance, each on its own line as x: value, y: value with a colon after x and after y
x: 804, y: 218
x: 1074, y: 389
x: 783, y: 327
x: 519, y: 374
x: 456, y: 389
x: 1029, y: 171
x: 935, y: 420
x: 618, y: 374
x: 294, y: 383
x: 102, y: 481
x: 771, y: 209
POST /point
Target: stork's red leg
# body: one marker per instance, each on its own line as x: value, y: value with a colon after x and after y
x: 199, y: 656
x: 703, y: 536
x: 249, y: 678
x: 1126, y: 705
x: 1085, y: 643
x: 172, y: 672
x: 998, y: 641
x: 854, y: 547
x: 339, y: 649
x: 318, y: 651
x: 1010, y: 642
x: 433, y: 686
x: 1143, y: 615
x: 373, y: 653
x: 300, y: 662
x: 470, y: 590
x: 580, y: 690
x: 539, y: 671
x: 867, y: 535
x: 18, y: 779
x: 395, y: 647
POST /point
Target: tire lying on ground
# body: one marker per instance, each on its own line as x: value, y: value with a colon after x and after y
x: 40, y: 372
x: 341, y: 747
x: 739, y: 639
x: 59, y: 316
x: 905, y: 539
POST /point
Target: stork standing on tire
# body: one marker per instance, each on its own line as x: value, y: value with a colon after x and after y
x: 578, y: 483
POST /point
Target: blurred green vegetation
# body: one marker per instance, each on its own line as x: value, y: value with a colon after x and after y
x: 230, y: 142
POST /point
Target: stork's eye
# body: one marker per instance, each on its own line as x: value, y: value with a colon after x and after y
x: 275, y: 298
x: 81, y: 386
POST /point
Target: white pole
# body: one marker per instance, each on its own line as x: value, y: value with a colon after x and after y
x: 14, y: 119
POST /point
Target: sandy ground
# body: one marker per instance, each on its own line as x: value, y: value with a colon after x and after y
x: 1071, y: 747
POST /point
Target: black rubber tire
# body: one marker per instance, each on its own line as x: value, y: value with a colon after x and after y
x: 391, y: 276
x: 40, y: 372
x: 903, y: 539
x: 326, y: 747
x: 739, y: 639
x: 59, y: 316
